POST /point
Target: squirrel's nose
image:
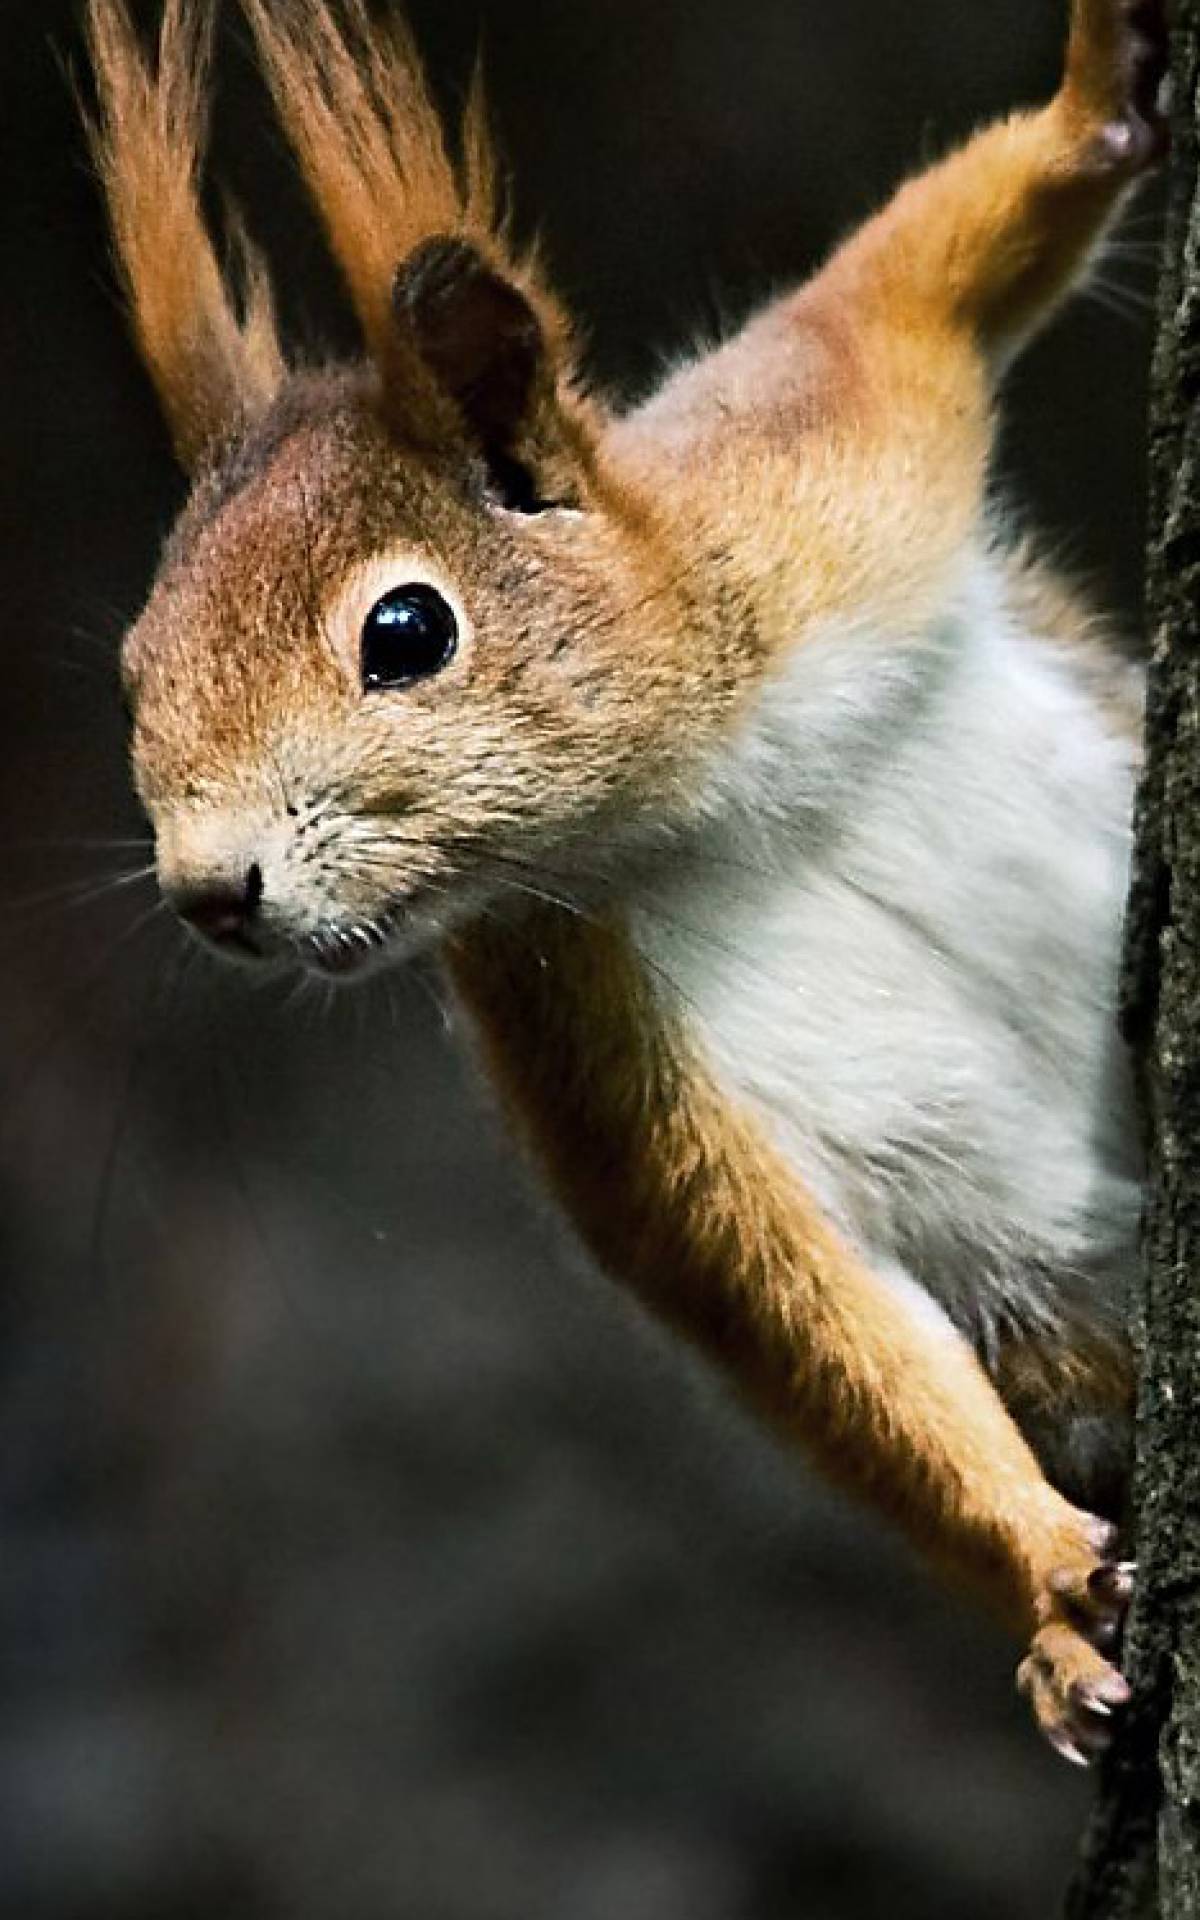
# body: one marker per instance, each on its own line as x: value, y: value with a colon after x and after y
x: 220, y: 908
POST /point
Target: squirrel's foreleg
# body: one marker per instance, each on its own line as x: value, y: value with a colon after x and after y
x: 866, y: 396
x: 987, y: 242
x: 680, y: 1195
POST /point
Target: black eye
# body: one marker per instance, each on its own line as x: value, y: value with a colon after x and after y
x: 407, y: 635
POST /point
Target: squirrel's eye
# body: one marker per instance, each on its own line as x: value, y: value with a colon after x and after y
x: 407, y: 635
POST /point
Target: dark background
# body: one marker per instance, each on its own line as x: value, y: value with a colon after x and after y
x: 362, y: 1556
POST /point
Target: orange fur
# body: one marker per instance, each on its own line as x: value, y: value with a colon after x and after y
x: 833, y: 459
x: 684, y: 1197
x: 984, y: 246
x: 987, y: 243
x: 357, y: 110
x: 883, y: 368
x: 213, y: 361
x: 369, y: 139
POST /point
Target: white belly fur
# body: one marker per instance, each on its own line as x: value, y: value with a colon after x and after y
x: 895, y: 931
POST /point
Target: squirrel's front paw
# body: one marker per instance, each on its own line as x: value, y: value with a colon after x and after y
x: 1116, y: 66
x: 1068, y: 1675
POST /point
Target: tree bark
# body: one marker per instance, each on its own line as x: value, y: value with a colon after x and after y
x: 1142, y: 1854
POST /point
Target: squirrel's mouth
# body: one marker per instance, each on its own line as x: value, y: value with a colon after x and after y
x: 340, y: 949
x: 409, y: 925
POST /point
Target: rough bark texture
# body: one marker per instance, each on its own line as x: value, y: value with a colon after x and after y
x: 1143, y: 1852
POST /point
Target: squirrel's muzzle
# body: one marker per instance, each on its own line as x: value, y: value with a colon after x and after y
x: 221, y: 908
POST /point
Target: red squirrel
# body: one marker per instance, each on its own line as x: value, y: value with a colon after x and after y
x: 765, y: 799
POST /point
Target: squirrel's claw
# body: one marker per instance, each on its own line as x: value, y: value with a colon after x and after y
x: 1075, y: 1691
x: 1110, y: 1587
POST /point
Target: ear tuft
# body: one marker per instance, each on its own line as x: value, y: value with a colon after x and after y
x: 473, y: 351
x: 215, y: 360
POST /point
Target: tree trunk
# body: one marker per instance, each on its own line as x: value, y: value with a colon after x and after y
x: 1142, y: 1856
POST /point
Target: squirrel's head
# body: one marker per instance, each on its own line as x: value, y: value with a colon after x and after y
x: 384, y: 674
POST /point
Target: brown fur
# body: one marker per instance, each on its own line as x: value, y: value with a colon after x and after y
x: 835, y: 456
x: 214, y: 360
x: 356, y: 109
x: 687, y: 1201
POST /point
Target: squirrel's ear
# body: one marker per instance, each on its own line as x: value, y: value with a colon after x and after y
x: 502, y: 365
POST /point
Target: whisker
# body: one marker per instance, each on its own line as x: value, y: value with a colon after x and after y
x: 225, y: 1073
x: 81, y: 985
x: 540, y: 882
x: 1142, y: 297
x: 1122, y: 304
x: 415, y: 974
x: 68, y: 895
x: 573, y: 907
x: 163, y: 999
x: 1141, y: 252
x: 139, y: 842
x: 1142, y: 218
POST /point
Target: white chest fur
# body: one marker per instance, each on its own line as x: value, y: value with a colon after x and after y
x: 895, y: 931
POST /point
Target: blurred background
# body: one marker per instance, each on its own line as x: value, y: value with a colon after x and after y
x: 364, y: 1557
